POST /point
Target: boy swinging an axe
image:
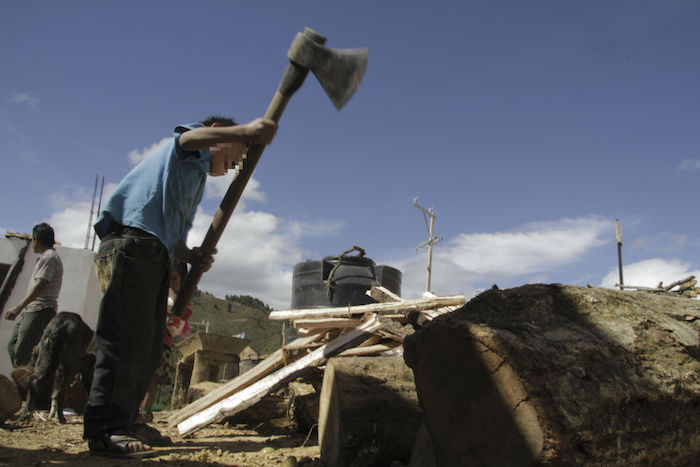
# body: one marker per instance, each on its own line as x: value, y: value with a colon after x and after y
x: 144, y: 224
x: 142, y: 227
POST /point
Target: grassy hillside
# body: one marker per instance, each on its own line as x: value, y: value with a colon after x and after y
x: 235, y: 315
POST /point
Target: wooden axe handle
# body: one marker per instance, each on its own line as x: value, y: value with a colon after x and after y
x: 291, y: 81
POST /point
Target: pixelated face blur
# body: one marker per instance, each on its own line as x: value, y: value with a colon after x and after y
x: 225, y: 156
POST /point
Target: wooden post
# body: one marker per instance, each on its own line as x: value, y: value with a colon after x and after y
x: 618, y: 235
x: 367, y: 402
x: 432, y: 240
x: 200, y: 370
x: 183, y: 374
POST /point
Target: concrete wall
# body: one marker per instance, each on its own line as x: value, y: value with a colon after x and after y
x: 80, y: 292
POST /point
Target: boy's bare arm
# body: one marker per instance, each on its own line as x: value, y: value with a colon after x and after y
x: 38, y: 286
x: 259, y: 131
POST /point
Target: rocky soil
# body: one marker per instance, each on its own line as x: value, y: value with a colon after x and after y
x: 40, y: 443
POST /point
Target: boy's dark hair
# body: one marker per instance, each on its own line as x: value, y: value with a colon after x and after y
x: 223, y: 121
x: 44, y: 234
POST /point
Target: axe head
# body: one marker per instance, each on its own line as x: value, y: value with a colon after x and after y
x: 338, y: 70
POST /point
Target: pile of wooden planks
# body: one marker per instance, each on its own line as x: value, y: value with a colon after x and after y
x: 325, y: 332
x: 685, y: 287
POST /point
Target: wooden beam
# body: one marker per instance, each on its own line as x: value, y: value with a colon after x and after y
x: 382, y: 294
x: 672, y: 285
x: 253, y: 393
x: 327, y: 323
x: 380, y: 308
x: 369, y: 350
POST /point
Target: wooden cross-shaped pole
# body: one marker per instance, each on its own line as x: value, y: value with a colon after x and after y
x: 431, y: 238
x: 618, y: 235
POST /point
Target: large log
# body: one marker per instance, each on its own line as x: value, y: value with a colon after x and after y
x: 368, y: 411
x: 560, y: 375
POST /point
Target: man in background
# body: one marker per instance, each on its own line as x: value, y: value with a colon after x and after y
x: 41, y: 301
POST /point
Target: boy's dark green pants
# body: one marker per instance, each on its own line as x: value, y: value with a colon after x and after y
x: 133, y: 269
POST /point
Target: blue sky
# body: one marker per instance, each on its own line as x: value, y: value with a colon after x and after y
x: 529, y: 127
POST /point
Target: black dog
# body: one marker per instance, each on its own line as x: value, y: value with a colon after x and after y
x: 61, y: 355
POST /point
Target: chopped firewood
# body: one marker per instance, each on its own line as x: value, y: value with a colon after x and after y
x: 686, y: 287
x: 682, y: 281
x: 327, y: 323
x: 382, y: 294
x: 310, y: 332
x: 368, y: 351
x: 374, y: 339
x: 396, y: 317
x: 354, y: 330
x: 274, y: 361
x: 406, y: 306
x: 253, y: 393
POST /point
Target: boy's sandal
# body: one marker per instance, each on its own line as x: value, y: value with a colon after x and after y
x: 150, y: 435
x: 120, y: 446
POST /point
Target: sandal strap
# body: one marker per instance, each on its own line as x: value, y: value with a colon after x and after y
x: 119, y: 444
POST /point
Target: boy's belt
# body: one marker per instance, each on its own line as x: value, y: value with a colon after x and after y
x: 120, y: 230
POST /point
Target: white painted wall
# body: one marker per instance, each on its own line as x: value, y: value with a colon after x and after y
x: 80, y: 292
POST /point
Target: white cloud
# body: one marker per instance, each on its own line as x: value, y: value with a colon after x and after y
x: 216, y: 188
x: 649, y: 273
x: 71, y: 215
x: 256, y: 254
x: 137, y: 155
x: 71, y: 224
x: 471, y: 262
x: 689, y: 164
x: 534, y: 248
x: 25, y: 98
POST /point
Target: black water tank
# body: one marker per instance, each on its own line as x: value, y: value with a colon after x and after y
x: 350, y: 280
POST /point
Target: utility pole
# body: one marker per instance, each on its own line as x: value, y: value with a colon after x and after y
x: 428, y: 213
x: 618, y: 235
x: 92, y: 206
x: 99, y: 206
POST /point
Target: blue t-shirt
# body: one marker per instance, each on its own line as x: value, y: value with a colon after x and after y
x: 160, y: 195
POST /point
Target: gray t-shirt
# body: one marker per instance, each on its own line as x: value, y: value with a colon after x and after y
x: 49, y: 268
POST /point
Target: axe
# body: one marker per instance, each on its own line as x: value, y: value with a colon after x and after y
x: 338, y: 70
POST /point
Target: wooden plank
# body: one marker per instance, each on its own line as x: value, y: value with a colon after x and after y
x: 253, y: 393
x: 382, y: 294
x: 380, y: 308
x: 672, y: 285
x: 429, y: 315
x: 310, y: 332
x: 369, y: 350
x: 374, y: 339
x: 259, y: 371
x: 327, y: 323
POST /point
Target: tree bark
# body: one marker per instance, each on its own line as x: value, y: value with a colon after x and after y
x: 368, y: 411
x: 560, y: 375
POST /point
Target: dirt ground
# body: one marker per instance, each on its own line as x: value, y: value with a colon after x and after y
x: 41, y: 443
